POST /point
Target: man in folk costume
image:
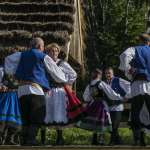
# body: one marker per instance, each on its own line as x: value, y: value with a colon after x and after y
x: 122, y: 87
x: 33, y: 68
x: 140, y: 83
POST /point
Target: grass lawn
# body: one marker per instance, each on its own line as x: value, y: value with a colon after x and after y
x: 76, y: 136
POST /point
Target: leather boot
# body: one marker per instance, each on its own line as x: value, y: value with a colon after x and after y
x: 60, y: 140
x: 10, y: 136
x: 136, y: 135
x: 94, y: 140
x: 16, y: 138
x: 24, y: 133
x: 118, y: 139
x: 142, y: 143
x: 113, y: 139
x: 101, y: 140
x: 43, y: 136
x: 4, y: 134
x: 31, y: 137
x: 1, y: 137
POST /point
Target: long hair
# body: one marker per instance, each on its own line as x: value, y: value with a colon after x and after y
x: 95, y: 73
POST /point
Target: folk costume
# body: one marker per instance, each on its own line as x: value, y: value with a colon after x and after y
x: 62, y: 107
x: 140, y: 83
x: 99, y: 119
x: 9, y: 107
x: 32, y: 68
x: 121, y: 87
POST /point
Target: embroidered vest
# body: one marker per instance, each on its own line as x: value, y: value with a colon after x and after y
x: 96, y: 92
x: 52, y: 82
x: 11, y: 83
x: 116, y: 87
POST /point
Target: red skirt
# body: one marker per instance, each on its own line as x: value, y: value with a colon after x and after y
x: 75, y: 110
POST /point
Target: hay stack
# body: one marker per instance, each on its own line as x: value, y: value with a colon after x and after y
x: 22, y: 20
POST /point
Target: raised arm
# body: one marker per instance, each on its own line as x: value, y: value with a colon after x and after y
x: 56, y: 73
x: 11, y: 63
x: 67, y: 70
x: 126, y: 57
x: 109, y: 91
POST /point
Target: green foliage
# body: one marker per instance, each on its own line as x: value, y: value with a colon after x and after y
x: 107, y: 34
x: 76, y: 136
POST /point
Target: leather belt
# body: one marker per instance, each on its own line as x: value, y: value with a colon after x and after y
x: 111, y: 102
x: 22, y: 82
x: 140, y: 76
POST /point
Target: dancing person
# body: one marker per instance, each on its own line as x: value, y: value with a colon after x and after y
x: 9, y: 106
x: 32, y: 68
x: 139, y: 73
x: 62, y: 107
x: 122, y: 87
x: 99, y: 119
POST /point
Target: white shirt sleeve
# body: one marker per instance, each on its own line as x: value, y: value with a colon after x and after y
x: 1, y: 75
x: 56, y: 73
x: 66, y: 68
x: 126, y: 57
x: 109, y: 91
x: 86, y: 94
x: 128, y: 75
x: 125, y: 85
x: 11, y: 63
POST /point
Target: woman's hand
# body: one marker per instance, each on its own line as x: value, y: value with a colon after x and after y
x: 90, y: 97
x: 3, y: 88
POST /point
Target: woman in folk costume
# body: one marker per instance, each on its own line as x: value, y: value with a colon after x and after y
x: 9, y: 106
x: 62, y: 107
x: 99, y: 119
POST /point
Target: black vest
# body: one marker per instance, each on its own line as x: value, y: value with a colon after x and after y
x: 52, y: 82
x: 10, y: 82
x: 96, y: 92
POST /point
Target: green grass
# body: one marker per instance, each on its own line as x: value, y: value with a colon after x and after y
x: 76, y: 136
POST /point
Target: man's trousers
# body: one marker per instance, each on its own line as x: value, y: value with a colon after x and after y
x: 33, y: 110
x: 136, y: 106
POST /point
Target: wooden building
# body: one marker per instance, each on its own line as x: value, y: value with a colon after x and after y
x: 55, y: 21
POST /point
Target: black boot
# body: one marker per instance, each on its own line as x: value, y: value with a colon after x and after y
x: 10, y: 135
x: 101, y: 140
x: 24, y: 133
x: 2, y: 137
x: 94, y: 140
x: 43, y: 136
x: 118, y: 139
x: 113, y: 139
x: 60, y: 140
x: 16, y: 140
x: 31, y: 137
x: 4, y: 134
x: 142, y: 143
x: 136, y: 135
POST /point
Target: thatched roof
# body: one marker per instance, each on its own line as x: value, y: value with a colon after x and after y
x: 22, y: 20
